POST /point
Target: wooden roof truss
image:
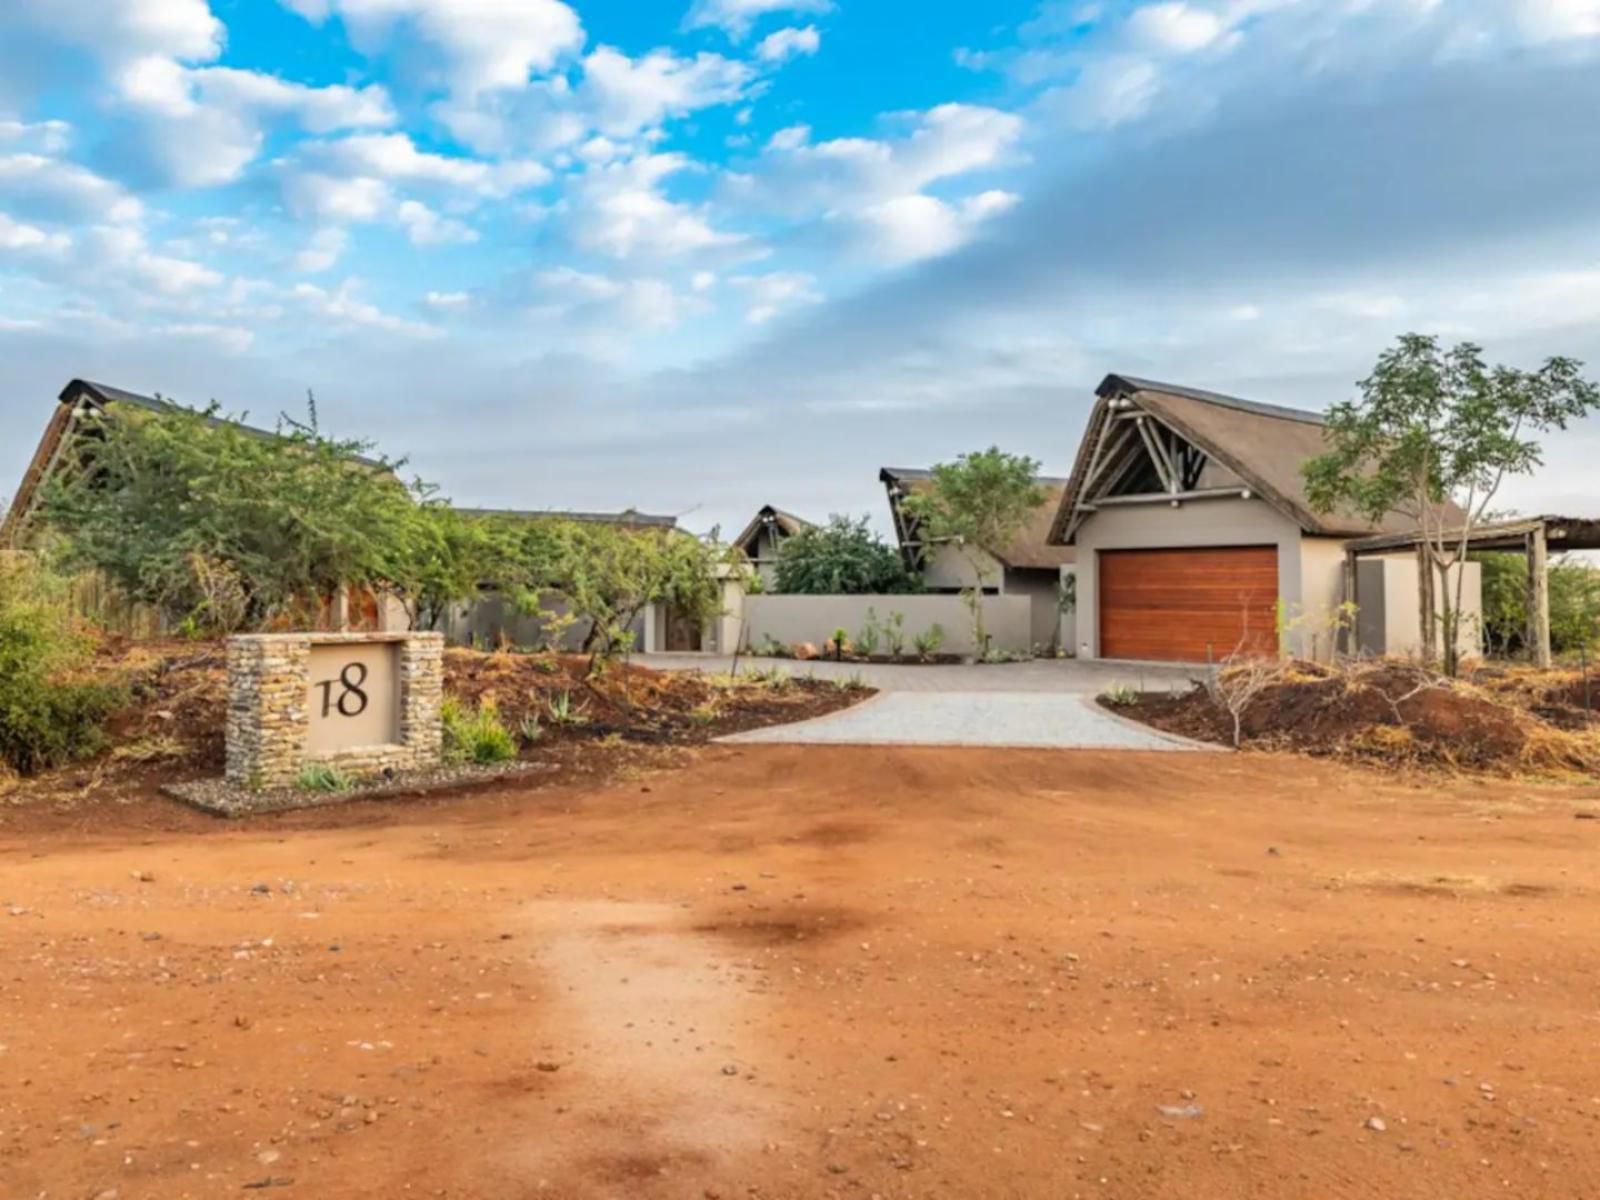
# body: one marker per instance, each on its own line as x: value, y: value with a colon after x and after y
x: 1139, y: 459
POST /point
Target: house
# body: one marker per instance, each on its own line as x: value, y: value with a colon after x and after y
x: 1194, y: 538
x: 764, y: 536
x: 79, y: 407
x: 1029, y: 565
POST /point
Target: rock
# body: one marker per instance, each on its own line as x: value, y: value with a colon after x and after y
x: 804, y: 651
x: 151, y: 937
x: 1377, y: 1124
x: 108, y: 1194
x: 730, y: 1069
x: 267, y: 1157
x: 1181, y: 1112
x: 145, y: 876
x: 1460, y: 963
x: 16, y: 910
x: 261, y: 889
x: 547, y: 1066
x: 1274, y: 852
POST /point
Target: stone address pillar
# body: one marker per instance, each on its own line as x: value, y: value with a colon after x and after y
x: 367, y: 703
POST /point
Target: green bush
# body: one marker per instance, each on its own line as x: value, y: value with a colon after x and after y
x: 49, y: 714
x: 1574, y: 604
x: 476, y: 735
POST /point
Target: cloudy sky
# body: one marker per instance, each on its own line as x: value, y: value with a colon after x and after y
x: 699, y: 255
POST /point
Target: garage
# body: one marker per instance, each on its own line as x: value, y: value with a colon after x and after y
x: 1176, y: 605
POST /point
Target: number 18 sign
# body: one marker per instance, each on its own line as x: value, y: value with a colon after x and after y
x: 355, y: 696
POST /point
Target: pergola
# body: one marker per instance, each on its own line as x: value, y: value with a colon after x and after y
x: 1535, y: 537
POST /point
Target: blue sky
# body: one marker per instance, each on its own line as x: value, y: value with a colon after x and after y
x: 702, y: 255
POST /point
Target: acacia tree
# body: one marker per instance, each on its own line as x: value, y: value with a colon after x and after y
x: 842, y: 558
x: 180, y: 506
x: 978, y: 503
x: 1432, y: 437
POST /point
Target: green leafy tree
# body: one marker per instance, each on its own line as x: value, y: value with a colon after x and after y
x: 1432, y: 437
x: 292, y: 518
x: 979, y: 504
x: 842, y: 558
x: 1574, y: 604
x: 607, y: 575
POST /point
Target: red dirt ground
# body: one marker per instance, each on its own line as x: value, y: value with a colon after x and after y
x: 790, y: 973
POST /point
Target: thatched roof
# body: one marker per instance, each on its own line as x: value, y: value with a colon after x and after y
x: 1264, y: 445
x: 1031, y: 548
x: 785, y: 523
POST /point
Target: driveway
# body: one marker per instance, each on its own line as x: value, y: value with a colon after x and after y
x: 1040, y: 704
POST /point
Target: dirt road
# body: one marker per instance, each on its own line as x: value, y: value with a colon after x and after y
x: 784, y: 972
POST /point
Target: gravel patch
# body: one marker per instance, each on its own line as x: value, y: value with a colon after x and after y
x: 223, y: 798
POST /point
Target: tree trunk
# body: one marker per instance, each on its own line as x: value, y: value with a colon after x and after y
x: 1425, y: 621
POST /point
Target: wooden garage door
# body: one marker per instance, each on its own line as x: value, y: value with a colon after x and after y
x: 1169, y: 605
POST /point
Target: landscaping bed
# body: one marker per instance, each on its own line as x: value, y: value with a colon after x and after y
x: 568, y: 723
x: 1495, y: 718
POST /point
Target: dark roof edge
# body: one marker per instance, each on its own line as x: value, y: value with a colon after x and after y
x: 892, y: 474
x: 1113, y: 384
x: 626, y: 517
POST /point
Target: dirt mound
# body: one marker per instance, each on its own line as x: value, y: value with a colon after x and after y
x: 1398, y: 712
x: 172, y: 729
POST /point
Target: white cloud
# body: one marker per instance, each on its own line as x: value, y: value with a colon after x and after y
x: 607, y: 309
x: 395, y: 157
x: 771, y: 293
x: 319, y: 196
x: 447, y: 301
x: 614, y: 95
x: 785, y: 44
x: 52, y: 190
x: 427, y: 228
x: 735, y: 17
x: 1175, y: 27
x: 45, y: 137
x: 1554, y: 20
x: 343, y: 307
x: 1109, y: 92
x: 626, y: 95
x: 315, y: 109
x: 875, y: 189
x: 322, y: 250
x: 907, y: 228
x: 119, y: 30
x: 16, y: 237
x: 480, y: 45
x: 619, y: 210
x: 118, y: 250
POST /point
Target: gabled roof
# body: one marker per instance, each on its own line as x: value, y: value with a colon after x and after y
x: 785, y: 522
x: 1031, y: 548
x: 1264, y: 445
x: 628, y: 518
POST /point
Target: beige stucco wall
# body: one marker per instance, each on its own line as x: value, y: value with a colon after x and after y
x: 1391, y: 620
x: 792, y: 619
x: 1311, y: 623
x: 949, y: 566
x: 1042, y: 588
x: 1218, y: 522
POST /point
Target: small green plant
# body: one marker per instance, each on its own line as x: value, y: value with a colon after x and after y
x: 771, y: 647
x: 704, y: 714
x: 839, y: 643
x: 323, y: 777
x: 530, y: 731
x: 475, y: 735
x: 894, y: 633
x: 867, y: 638
x: 563, y: 710
x: 928, y: 642
x: 775, y: 678
x: 549, y: 665
x: 1119, y: 695
x: 851, y: 683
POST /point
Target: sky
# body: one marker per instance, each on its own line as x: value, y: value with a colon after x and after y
x: 697, y: 256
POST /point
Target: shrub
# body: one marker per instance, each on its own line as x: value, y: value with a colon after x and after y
x: 48, y: 715
x: 928, y: 643
x: 871, y: 631
x: 475, y: 735
x: 894, y: 633
x: 843, y: 557
x: 323, y: 777
x: 1119, y: 695
x: 563, y: 711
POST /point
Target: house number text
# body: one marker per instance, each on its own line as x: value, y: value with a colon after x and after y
x: 351, y: 700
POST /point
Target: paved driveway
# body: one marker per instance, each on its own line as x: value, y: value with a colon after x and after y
x: 1044, y: 703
